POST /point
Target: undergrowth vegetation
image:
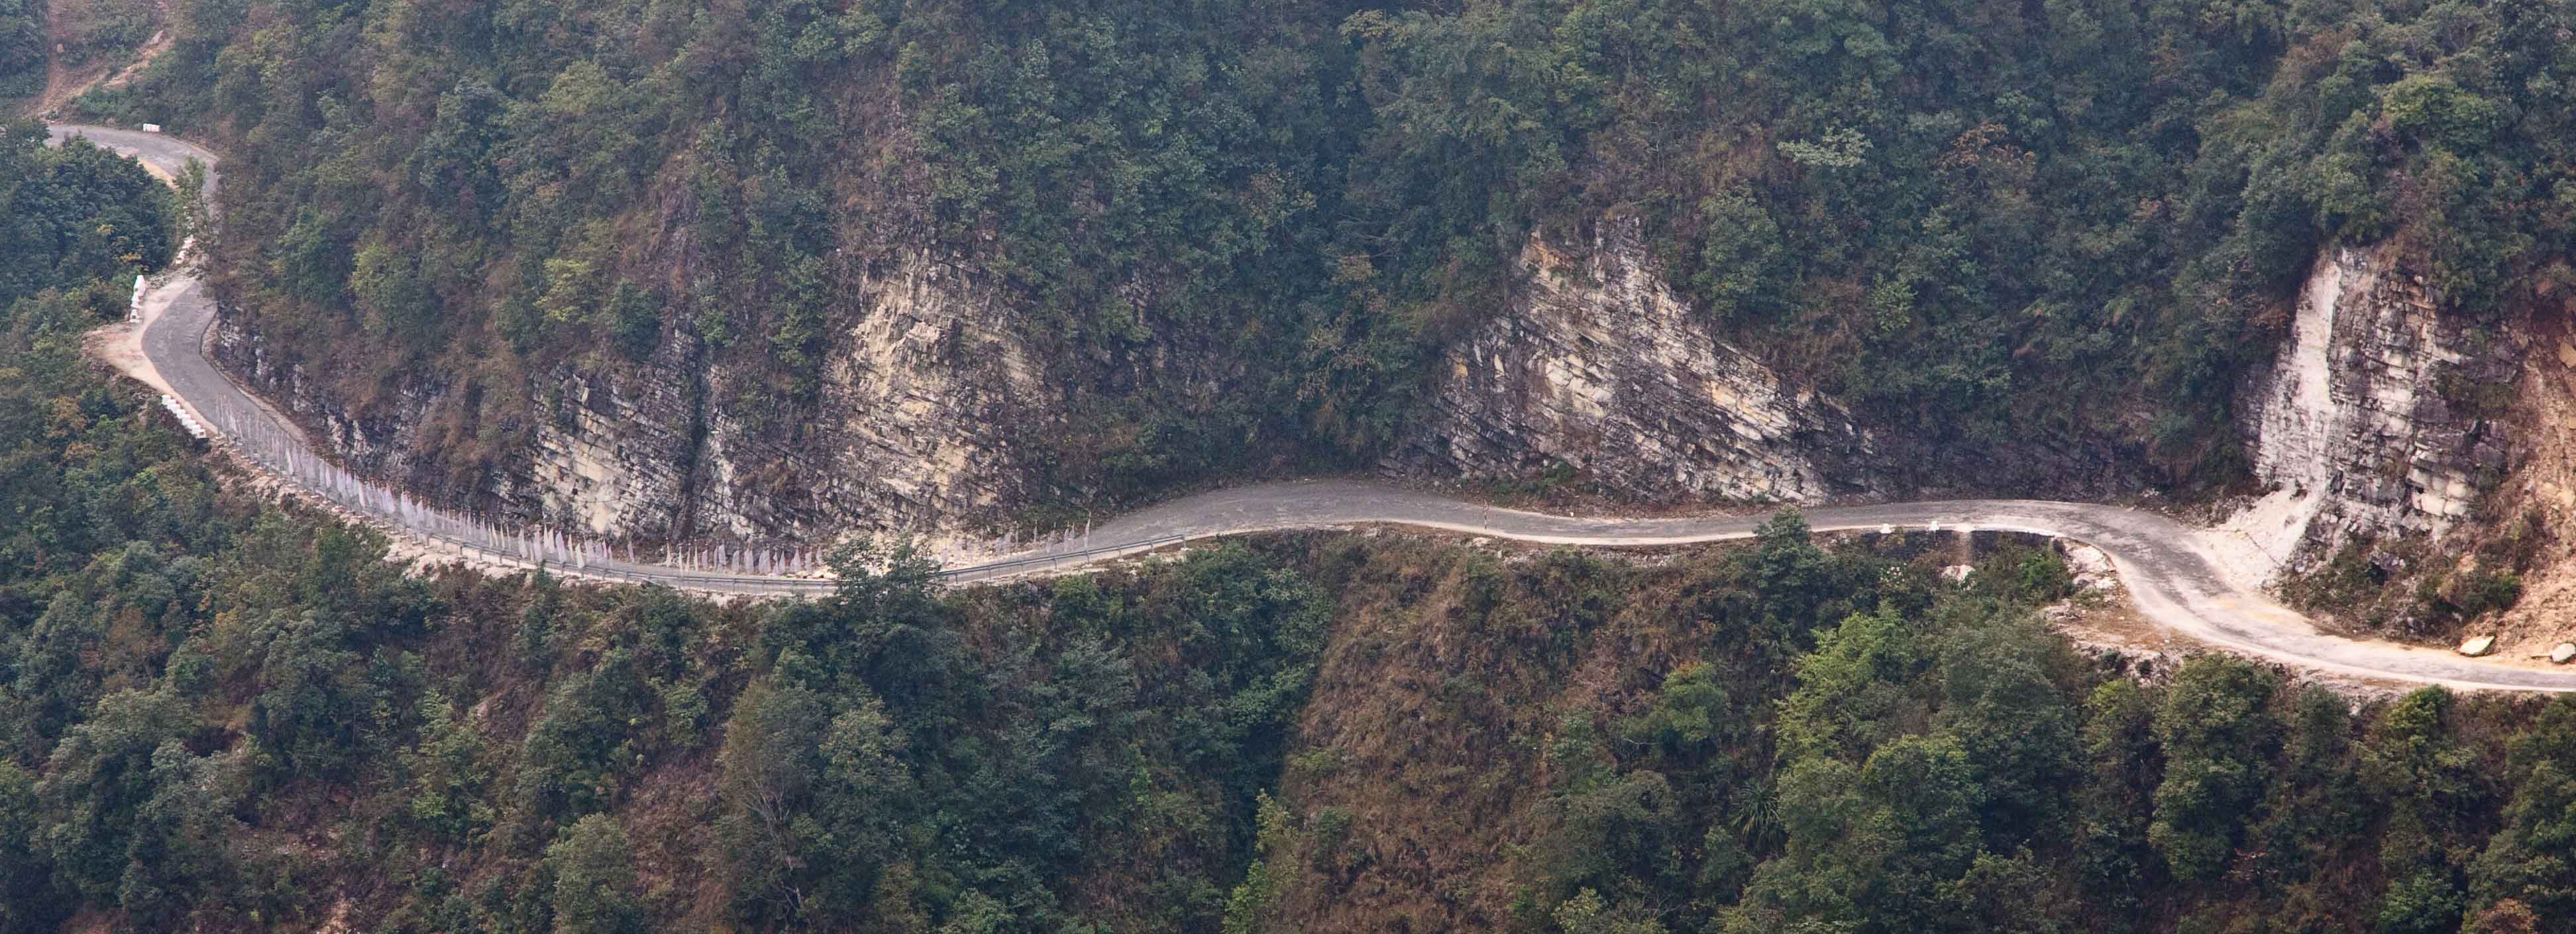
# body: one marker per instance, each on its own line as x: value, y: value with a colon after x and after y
x: 2407, y: 586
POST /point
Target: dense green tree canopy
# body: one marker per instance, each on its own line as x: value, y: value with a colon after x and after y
x: 77, y: 214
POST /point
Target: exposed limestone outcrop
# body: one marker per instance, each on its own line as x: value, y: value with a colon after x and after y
x: 1598, y: 364
x: 2356, y: 421
x: 922, y: 395
x: 926, y: 393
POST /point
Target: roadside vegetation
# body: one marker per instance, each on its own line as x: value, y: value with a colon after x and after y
x: 2405, y: 586
x: 79, y: 216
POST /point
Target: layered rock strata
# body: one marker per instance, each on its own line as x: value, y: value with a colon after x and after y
x: 1600, y: 366
x: 2360, y: 422
x: 923, y: 397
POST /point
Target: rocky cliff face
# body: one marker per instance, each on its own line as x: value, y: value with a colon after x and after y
x: 1599, y: 365
x: 923, y: 395
x: 2357, y: 422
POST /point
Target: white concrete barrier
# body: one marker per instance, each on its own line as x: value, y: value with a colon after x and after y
x: 186, y: 420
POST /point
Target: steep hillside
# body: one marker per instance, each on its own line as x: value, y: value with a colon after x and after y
x: 221, y: 714
x: 790, y: 268
x: 225, y: 715
x: 228, y: 717
x: 2425, y: 486
x: 769, y: 272
x: 52, y: 50
x: 1568, y: 745
x: 2416, y: 459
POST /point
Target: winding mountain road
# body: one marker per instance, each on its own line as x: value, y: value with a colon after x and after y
x: 2173, y: 571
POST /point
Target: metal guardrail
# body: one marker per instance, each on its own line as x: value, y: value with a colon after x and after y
x: 674, y: 576
x: 1031, y: 562
x: 800, y: 584
x: 680, y: 577
x: 1074, y: 556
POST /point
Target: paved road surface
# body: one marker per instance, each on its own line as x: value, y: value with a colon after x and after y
x: 2169, y: 568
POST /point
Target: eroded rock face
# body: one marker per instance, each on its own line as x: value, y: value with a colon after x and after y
x: 1600, y: 365
x: 921, y: 398
x: 2355, y: 420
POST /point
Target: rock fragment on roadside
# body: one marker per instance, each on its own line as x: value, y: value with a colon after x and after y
x: 2478, y: 646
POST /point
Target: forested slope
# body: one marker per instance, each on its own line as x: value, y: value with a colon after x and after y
x: 79, y: 216
x: 75, y: 39
x: 1231, y: 237
x: 226, y: 717
x: 224, y: 714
